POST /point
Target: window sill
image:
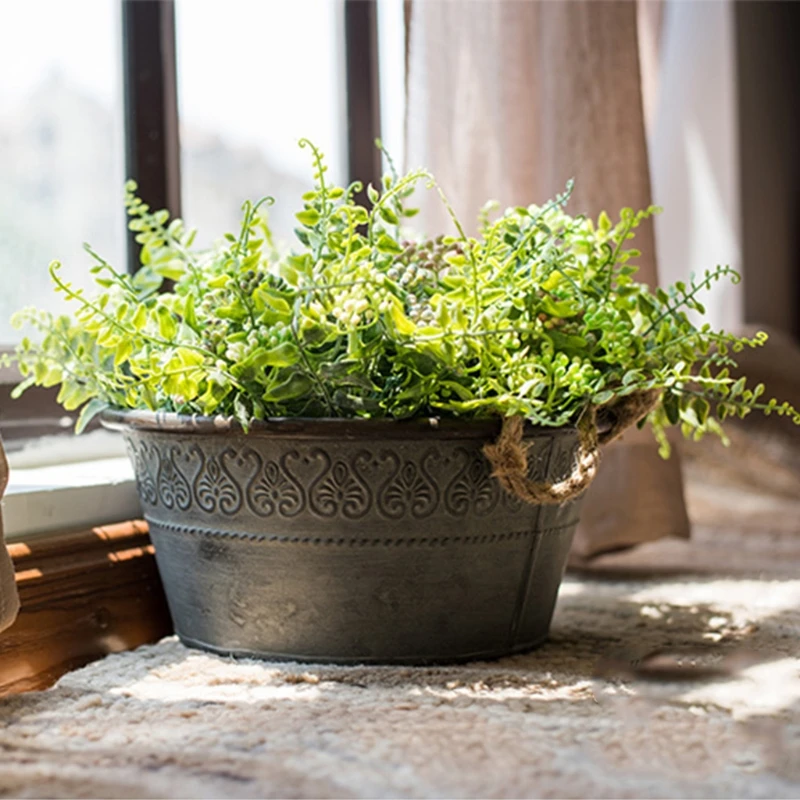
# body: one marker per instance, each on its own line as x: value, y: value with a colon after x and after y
x: 87, y: 586
x: 41, y: 500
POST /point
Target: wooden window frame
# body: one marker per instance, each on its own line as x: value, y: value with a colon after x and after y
x: 363, y: 93
x: 150, y: 91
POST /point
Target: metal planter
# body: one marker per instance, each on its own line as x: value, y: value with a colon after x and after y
x: 349, y: 541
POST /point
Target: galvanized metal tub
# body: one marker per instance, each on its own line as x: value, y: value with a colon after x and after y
x: 349, y: 541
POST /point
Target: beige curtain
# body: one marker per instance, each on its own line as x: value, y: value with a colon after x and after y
x: 9, y: 601
x: 508, y: 100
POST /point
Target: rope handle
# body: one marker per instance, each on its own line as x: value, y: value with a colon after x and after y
x: 509, y: 454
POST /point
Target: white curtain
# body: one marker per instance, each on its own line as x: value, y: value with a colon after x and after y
x: 692, y: 136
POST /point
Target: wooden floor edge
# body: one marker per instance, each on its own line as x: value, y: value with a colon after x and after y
x: 83, y: 594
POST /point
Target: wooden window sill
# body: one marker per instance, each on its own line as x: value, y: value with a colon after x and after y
x: 83, y: 594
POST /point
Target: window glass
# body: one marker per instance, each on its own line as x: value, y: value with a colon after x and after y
x: 61, y: 146
x: 254, y: 77
x: 392, y: 73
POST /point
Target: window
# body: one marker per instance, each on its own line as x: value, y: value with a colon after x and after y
x: 61, y: 169
x: 61, y: 148
x: 274, y: 75
x: 202, y: 103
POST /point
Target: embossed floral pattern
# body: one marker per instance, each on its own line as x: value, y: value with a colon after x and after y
x: 472, y: 488
x: 273, y: 490
x: 339, y: 489
x: 409, y: 490
x: 214, y: 486
x: 386, y: 482
x: 173, y: 488
x: 145, y: 483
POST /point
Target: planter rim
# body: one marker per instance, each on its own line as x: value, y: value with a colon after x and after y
x: 316, y: 427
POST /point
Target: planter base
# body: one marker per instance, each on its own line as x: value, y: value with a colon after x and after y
x: 406, y: 660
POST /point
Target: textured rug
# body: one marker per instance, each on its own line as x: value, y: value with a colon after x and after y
x: 681, y: 687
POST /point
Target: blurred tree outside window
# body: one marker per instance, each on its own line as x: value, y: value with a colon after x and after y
x: 253, y: 79
x: 61, y: 146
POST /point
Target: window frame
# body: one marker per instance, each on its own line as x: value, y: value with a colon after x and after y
x: 150, y: 103
x: 153, y: 156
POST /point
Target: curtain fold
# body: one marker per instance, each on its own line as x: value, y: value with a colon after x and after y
x: 9, y: 600
x: 508, y: 100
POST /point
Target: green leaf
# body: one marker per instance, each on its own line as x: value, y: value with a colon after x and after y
x: 561, y: 308
x: 310, y: 217
x: 188, y: 313
x: 388, y: 215
x: 456, y: 259
x: 701, y: 409
x: 189, y: 358
x: 352, y: 402
x: 264, y: 296
x: 462, y: 392
x: 313, y: 334
x: 71, y: 395
x: 139, y: 319
x: 360, y: 215
x: 94, y: 407
x: 400, y: 322
x: 167, y: 327
x: 738, y: 387
x: 283, y: 355
x: 386, y: 244
x: 17, y: 391
x: 632, y: 376
x: 671, y: 407
x: 237, y: 312
x: 296, y: 386
x: 646, y: 305
x: 601, y: 398
x: 124, y: 349
x: 241, y: 413
x: 173, y: 270
x: 54, y: 376
x: 555, y: 278
x: 345, y: 373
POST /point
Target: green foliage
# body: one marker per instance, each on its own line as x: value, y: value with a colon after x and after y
x: 539, y: 315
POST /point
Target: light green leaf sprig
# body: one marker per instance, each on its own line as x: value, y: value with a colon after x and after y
x: 539, y: 314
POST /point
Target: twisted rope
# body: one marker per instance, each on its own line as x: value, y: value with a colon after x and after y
x: 598, y: 426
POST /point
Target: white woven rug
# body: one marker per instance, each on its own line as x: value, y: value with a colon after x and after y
x: 584, y: 716
x: 165, y: 721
